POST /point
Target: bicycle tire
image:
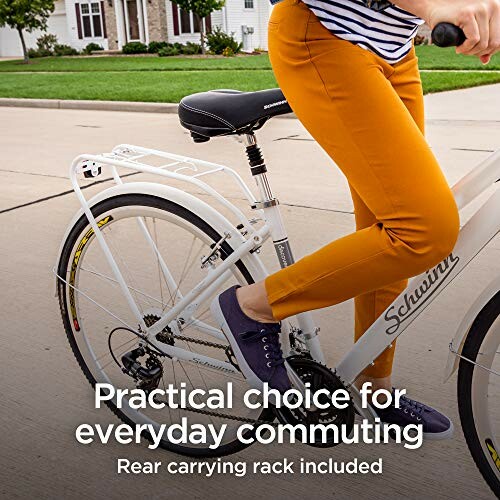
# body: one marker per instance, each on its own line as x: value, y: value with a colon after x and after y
x: 69, y: 244
x: 477, y: 333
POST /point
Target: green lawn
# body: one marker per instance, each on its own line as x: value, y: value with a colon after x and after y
x: 430, y: 57
x: 129, y: 86
x: 138, y: 63
x: 173, y: 85
x: 168, y: 79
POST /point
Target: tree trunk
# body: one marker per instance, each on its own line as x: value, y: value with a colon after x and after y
x: 23, y: 43
x: 202, y: 34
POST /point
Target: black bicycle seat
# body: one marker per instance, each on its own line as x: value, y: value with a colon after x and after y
x: 224, y: 112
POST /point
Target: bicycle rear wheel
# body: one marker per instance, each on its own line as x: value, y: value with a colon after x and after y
x: 478, y: 389
x: 92, y: 306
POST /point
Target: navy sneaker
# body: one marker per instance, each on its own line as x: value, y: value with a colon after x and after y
x: 256, y: 345
x: 435, y: 424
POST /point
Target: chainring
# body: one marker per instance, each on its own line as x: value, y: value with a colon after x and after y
x: 320, y: 377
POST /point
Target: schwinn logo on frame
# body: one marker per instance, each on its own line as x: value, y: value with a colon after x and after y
x: 415, y: 300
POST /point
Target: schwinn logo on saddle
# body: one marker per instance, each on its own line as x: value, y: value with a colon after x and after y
x: 273, y: 104
x: 415, y: 300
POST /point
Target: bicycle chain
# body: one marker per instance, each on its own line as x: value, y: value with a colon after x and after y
x: 167, y: 337
x: 226, y: 416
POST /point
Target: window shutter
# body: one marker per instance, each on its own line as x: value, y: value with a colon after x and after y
x: 104, y: 31
x: 208, y: 23
x: 175, y: 18
x: 78, y: 20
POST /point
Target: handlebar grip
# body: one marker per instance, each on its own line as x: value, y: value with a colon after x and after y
x: 447, y: 35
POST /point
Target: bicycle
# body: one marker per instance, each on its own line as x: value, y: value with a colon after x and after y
x: 125, y: 235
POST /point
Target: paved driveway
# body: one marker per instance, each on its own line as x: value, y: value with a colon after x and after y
x: 44, y: 395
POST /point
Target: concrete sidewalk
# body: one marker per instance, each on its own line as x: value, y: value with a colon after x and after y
x: 45, y: 395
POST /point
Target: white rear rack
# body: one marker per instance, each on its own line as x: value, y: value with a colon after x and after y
x: 155, y: 162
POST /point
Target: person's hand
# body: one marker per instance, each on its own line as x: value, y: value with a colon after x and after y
x: 479, y: 20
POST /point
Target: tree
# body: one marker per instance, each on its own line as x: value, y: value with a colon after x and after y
x: 25, y: 15
x: 200, y: 9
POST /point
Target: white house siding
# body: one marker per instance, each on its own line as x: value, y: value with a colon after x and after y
x: 236, y: 16
x: 10, y: 44
x: 231, y: 19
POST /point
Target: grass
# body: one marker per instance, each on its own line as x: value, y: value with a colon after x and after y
x: 137, y: 63
x: 129, y: 86
x: 168, y: 79
x: 430, y: 57
x: 439, y: 82
x: 173, y: 85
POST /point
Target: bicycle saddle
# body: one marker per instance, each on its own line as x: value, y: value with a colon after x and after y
x: 223, y: 112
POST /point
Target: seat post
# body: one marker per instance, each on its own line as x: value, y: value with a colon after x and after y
x: 268, y: 203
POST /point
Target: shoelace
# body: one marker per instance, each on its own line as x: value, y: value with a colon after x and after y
x: 270, y: 338
x: 416, y: 409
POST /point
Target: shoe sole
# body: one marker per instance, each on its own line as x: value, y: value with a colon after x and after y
x: 439, y: 436
x: 250, y: 376
x: 434, y: 436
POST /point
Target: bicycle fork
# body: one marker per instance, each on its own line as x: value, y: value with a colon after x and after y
x: 269, y: 205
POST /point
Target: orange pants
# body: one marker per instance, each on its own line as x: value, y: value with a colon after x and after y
x: 368, y: 116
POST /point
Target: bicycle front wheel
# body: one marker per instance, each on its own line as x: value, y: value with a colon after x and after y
x: 479, y: 392
x: 161, y: 249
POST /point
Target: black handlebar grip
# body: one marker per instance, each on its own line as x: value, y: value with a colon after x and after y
x: 447, y: 35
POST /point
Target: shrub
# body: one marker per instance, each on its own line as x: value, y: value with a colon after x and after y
x: 44, y: 46
x: 154, y: 47
x: 46, y: 43
x: 228, y: 52
x: 169, y: 51
x: 92, y: 47
x: 191, y: 48
x: 217, y: 41
x: 134, y: 48
x: 32, y: 53
x: 65, y: 50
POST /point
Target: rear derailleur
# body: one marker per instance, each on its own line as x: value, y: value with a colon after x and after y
x: 148, y: 375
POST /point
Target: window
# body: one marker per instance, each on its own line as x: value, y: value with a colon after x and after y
x: 91, y: 20
x: 186, y: 23
x: 248, y: 4
x: 189, y: 23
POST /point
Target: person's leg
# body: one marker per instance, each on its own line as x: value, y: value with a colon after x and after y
x: 367, y: 307
x: 343, y: 96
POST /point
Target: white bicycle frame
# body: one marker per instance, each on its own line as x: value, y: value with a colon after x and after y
x: 244, y: 239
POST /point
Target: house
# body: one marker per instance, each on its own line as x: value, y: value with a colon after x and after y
x: 112, y: 23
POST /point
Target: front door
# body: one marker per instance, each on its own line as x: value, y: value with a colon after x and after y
x: 133, y: 20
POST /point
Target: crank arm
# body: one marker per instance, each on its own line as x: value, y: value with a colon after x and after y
x: 366, y: 413
x: 295, y: 379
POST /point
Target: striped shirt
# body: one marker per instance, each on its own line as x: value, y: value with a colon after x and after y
x: 388, y: 33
